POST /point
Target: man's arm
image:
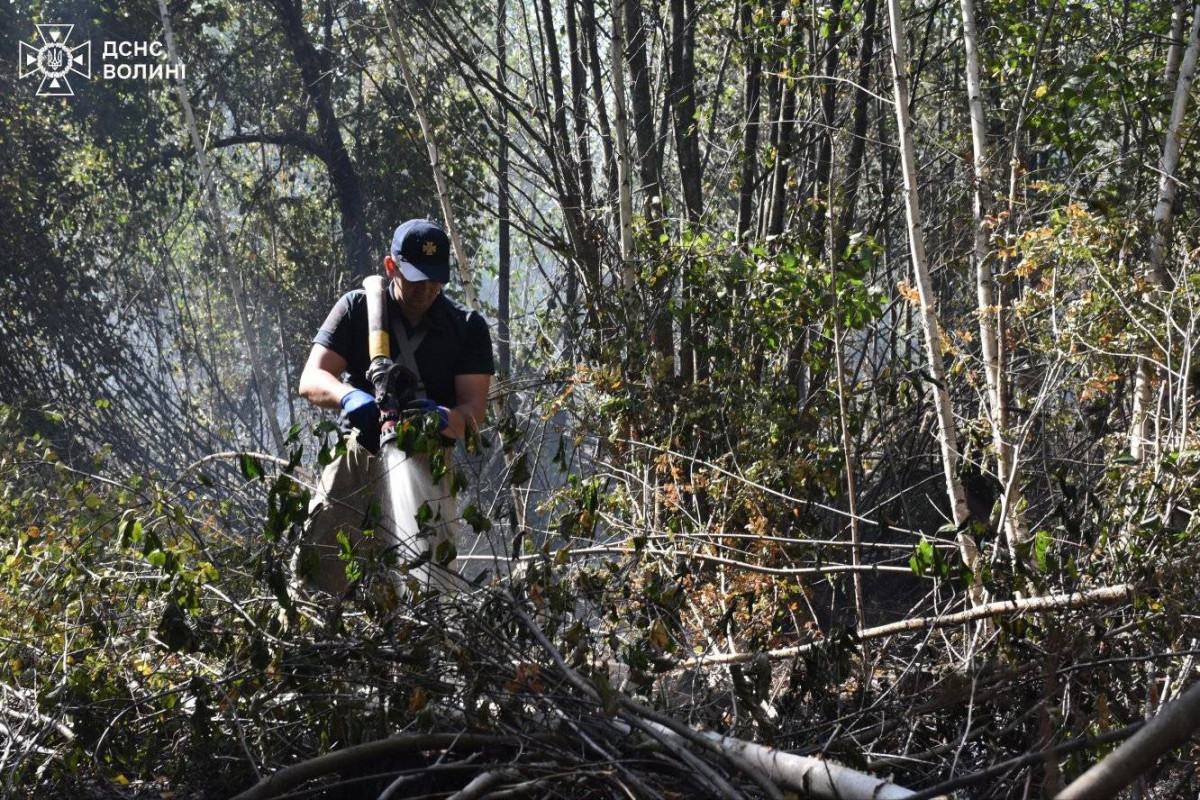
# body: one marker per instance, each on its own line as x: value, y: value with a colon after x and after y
x: 320, y: 382
x: 472, y: 393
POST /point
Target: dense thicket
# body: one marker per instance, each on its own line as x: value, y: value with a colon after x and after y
x: 754, y: 402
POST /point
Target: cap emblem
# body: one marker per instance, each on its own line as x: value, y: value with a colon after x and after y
x: 429, y: 248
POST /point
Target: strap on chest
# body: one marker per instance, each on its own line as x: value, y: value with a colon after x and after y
x: 408, y: 349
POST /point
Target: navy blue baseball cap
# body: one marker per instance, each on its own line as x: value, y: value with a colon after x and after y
x: 422, y: 251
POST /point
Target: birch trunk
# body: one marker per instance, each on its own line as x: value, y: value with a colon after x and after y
x: 1156, y: 276
x: 218, y: 224
x: 1175, y: 51
x: 1012, y: 517
x: 933, y: 340
x: 435, y: 163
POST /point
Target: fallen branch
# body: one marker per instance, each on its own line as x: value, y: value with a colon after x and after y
x: 480, y: 785
x: 1168, y: 730
x: 1106, y: 594
x: 814, y: 777
x: 351, y: 757
x: 1032, y: 757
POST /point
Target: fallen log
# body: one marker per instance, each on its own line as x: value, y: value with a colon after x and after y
x: 1171, y: 728
x: 813, y: 777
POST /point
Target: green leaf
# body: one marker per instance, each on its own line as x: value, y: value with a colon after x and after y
x: 445, y: 553
x: 1041, y: 545
x: 345, y: 549
x: 476, y: 519
x: 251, y: 469
x: 922, y: 558
x: 130, y: 530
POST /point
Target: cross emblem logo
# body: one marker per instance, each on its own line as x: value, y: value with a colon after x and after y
x: 429, y: 248
x: 55, y: 60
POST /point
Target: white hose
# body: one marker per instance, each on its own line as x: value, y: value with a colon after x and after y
x: 404, y: 486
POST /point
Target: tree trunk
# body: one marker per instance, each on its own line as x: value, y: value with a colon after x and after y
x: 947, y: 436
x: 315, y: 69
x: 642, y: 109
x: 1175, y: 48
x: 828, y: 96
x: 572, y: 200
x: 624, y: 166
x: 599, y: 99
x: 649, y: 163
x: 687, y: 147
x: 683, y: 105
x: 858, y: 142
x: 752, y: 113
x: 579, y: 92
x: 1156, y: 275
x: 783, y: 153
x: 1011, y: 514
x: 503, y: 227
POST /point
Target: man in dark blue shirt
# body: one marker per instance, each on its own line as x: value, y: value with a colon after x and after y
x: 453, y: 358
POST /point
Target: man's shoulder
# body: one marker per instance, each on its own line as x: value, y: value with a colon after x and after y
x: 461, y: 316
x: 353, y: 304
x: 354, y: 297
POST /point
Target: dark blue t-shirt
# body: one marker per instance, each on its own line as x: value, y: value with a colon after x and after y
x: 457, y: 343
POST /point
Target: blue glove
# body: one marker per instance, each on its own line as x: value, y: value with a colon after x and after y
x: 428, y: 406
x: 361, y: 411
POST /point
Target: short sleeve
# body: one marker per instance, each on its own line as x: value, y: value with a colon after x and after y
x: 337, y: 332
x: 477, y: 351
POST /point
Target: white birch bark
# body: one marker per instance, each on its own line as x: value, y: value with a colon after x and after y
x: 1012, y: 517
x: 814, y: 777
x: 1156, y: 274
x: 1175, y: 51
x: 1170, y: 729
x: 933, y: 340
x: 218, y: 224
x: 435, y: 163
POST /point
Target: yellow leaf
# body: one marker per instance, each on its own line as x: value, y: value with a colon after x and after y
x: 1040, y: 92
x: 909, y: 293
x: 658, y: 634
x: 121, y: 779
